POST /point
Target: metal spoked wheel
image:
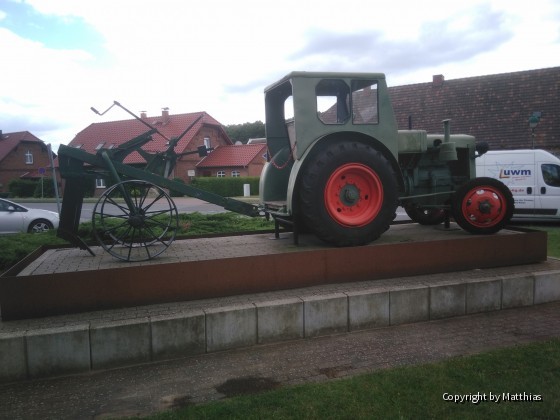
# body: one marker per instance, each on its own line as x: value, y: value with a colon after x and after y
x: 135, y: 220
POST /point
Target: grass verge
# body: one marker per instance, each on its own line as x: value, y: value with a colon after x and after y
x: 523, y: 382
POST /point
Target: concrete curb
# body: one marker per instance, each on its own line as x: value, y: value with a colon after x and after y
x: 84, y: 345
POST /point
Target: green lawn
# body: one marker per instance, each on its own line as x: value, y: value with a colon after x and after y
x: 526, y: 379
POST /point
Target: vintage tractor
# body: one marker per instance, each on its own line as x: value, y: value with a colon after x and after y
x: 337, y: 167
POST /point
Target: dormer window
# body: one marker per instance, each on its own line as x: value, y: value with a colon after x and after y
x: 28, y: 157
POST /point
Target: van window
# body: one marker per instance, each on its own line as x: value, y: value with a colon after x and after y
x: 551, y: 174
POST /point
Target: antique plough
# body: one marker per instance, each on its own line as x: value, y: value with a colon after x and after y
x: 135, y: 219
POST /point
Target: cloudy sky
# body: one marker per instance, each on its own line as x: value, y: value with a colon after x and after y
x: 60, y: 57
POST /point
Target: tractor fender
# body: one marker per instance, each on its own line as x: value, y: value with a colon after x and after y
x: 323, y: 142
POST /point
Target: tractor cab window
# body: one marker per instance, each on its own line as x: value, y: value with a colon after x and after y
x: 364, y: 102
x: 333, y: 97
x: 551, y: 174
x: 289, y: 108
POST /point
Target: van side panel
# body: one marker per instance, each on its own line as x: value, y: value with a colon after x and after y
x: 533, y: 176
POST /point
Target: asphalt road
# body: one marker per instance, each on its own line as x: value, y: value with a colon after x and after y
x: 184, y: 205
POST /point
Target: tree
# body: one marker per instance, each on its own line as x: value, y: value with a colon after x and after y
x: 244, y: 132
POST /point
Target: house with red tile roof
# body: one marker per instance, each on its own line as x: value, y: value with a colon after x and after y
x: 206, y: 132
x: 235, y: 160
x: 494, y: 108
x: 22, y: 155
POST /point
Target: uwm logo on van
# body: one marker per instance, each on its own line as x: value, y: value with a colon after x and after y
x: 508, y: 173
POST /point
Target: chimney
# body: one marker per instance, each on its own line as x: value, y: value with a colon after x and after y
x: 437, y: 80
x: 165, y: 115
x: 143, y: 115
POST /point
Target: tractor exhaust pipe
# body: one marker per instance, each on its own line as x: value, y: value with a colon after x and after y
x: 446, y: 131
x: 447, y: 151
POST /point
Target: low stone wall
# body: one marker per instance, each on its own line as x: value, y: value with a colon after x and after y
x: 106, y: 339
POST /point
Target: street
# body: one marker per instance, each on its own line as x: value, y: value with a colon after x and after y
x: 184, y: 205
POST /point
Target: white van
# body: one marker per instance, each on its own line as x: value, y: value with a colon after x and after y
x: 533, y: 176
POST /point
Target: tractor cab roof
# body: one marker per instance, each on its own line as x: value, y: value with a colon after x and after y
x: 324, y: 75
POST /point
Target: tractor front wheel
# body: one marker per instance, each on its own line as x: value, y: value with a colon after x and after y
x: 483, y: 206
x: 348, y: 194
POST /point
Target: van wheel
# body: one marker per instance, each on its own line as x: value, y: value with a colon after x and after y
x: 482, y: 206
x: 424, y: 216
x: 348, y: 194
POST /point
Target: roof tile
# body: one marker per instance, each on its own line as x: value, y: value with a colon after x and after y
x: 9, y: 141
x: 233, y: 156
x: 494, y: 108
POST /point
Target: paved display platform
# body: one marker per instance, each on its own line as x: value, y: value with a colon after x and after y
x: 63, y: 281
x: 101, y: 339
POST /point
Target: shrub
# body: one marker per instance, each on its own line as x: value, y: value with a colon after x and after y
x: 47, y: 189
x: 22, y: 187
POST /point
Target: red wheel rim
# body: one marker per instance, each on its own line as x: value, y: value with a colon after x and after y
x: 353, y: 195
x: 484, y: 206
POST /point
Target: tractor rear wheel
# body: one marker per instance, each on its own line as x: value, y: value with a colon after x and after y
x: 348, y: 194
x: 482, y: 206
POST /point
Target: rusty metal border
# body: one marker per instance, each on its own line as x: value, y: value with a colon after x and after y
x: 73, y: 292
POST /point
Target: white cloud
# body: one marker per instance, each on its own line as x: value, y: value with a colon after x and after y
x: 218, y: 55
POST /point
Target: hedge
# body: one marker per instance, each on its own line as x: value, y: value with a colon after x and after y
x: 25, y: 188
x: 22, y: 187
x: 47, y: 190
x: 227, y: 187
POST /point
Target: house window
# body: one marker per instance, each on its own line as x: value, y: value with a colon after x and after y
x: 99, y: 146
x: 29, y: 157
x: 207, y: 142
x: 221, y: 174
x: 100, y: 183
x: 235, y: 174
